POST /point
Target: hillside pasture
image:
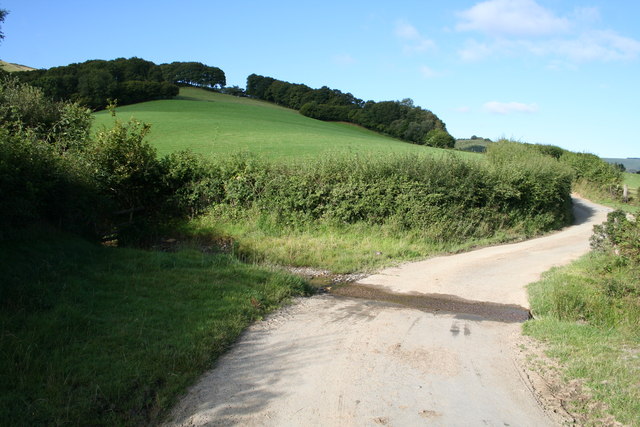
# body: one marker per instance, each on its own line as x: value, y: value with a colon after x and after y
x: 11, y: 68
x: 214, y: 124
x: 632, y: 180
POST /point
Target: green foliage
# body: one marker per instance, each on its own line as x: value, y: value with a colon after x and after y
x: 193, y: 74
x: 448, y: 198
x: 25, y: 109
x: 41, y: 177
x: 190, y: 183
x: 602, y: 177
x: 620, y: 234
x: 125, y: 166
x: 439, y: 138
x: 93, y: 83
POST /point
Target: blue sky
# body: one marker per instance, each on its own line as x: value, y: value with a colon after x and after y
x: 545, y: 71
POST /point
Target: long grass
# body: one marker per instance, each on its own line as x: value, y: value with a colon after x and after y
x: 91, y: 335
x: 589, y: 315
x: 340, y: 248
x: 215, y: 125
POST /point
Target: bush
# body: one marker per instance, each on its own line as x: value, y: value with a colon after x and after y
x: 127, y: 174
x: 594, y: 174
x: 620, y: 234
x: 191, y: 184
x: 446, y: 198
x: 439, y: 138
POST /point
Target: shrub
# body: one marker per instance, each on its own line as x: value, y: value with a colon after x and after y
x: 439, y: 138
x: 191, y: 183
x: 128, y: 175
x: 620, y: 234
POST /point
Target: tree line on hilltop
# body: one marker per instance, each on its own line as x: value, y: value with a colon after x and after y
x: 96, y: 83
x: 93, y: 83
x: 399, y: 119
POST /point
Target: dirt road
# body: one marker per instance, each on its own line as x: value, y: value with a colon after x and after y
x: 339, y: 361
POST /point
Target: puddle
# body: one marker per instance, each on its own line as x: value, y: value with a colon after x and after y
x: 436, y: 303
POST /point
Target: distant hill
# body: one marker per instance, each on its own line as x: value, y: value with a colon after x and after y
x: 474, y: 144
x: 632, y: 164
x: 9, y: 67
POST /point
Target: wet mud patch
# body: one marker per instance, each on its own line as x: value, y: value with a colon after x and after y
x: 437, y: 303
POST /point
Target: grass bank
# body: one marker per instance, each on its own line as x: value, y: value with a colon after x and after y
x: 91, y: 335
x: 588, y: 314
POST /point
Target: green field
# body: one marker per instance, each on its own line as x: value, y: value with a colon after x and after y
x: 632, y: 180
x: 212, y: 124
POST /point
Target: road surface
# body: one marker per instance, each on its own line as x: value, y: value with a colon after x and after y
x: 446, y: 356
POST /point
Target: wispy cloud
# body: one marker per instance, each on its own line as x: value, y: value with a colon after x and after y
x: 413, y: 41
x: 511, y: 18
x: 509, y: 107
x: 523, y: 26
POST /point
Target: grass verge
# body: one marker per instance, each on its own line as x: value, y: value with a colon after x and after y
x: 91, y: 335
x: 588, y: 314
x: 340, y: 248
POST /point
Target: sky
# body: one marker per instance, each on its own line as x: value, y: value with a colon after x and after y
x: 559, y: 72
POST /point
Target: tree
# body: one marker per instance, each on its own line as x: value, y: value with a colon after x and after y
x: 3, y: 14
x: 440, y: 138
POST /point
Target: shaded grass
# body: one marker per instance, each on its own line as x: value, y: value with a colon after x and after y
x: 589, y: 314
x: 108, y: 336
x: 214, y: 124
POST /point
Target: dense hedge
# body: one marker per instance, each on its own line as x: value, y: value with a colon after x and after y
x: 447, y: 198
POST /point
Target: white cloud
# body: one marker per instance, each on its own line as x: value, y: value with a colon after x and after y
x: 509, y: 107
x: 414, y: 42
x: 517, y: 27
x: 343, y: 59
x: 511, y: 18
x: 597, y: 46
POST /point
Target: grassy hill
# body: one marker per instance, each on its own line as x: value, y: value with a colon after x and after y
x: 9, y: 67
x: 211, y: 123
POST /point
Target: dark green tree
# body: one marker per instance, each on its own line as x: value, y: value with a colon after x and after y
x: 440, y: 138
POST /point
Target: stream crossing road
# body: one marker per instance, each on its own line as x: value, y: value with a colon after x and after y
x: 444, y: 356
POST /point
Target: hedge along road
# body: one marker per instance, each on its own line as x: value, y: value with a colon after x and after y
x: 446, y: 355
